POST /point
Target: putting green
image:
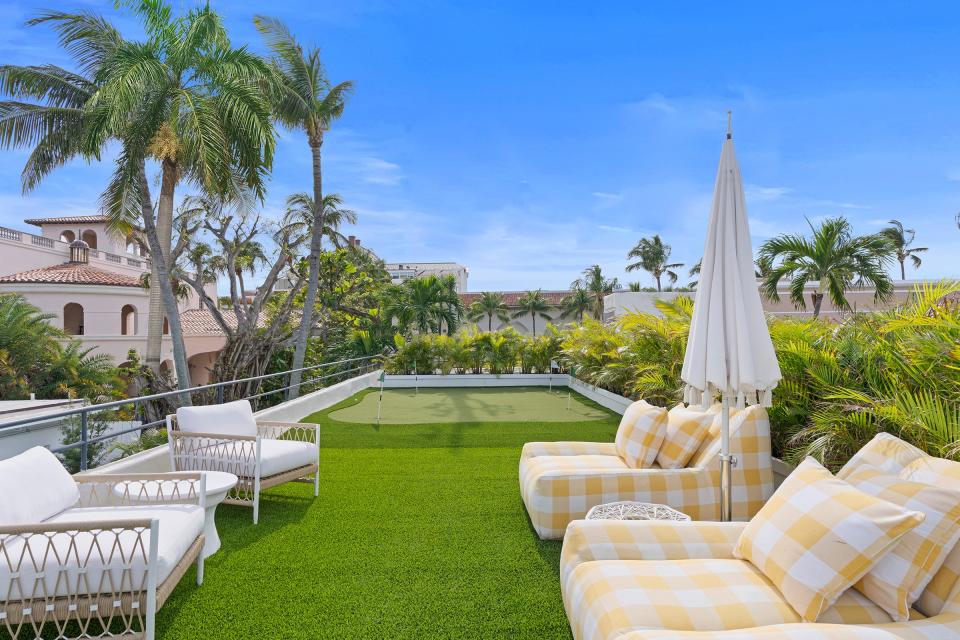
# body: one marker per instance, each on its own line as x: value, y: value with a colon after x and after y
x: 525, y: 404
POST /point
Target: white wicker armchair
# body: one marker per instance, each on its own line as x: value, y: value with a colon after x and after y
x: 261, y: 454
x: 92, y: 556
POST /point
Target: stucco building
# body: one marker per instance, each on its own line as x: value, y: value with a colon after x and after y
x: 89, y: 280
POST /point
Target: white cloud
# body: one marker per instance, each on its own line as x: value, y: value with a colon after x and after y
x: 765, y: 194
x: 606, y: 200
x: 656, y: 103
x: 379, y: 171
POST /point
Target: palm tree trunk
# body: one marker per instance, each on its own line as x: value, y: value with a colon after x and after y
x: 154, y: 321
x: 903, y: 271
x: 533, y: 316
x: 817, y: 302
x: 164, y: 227
x: 489, y: 323
x: 160, y: 256
x: 316, y: 240
x: 658, y: 282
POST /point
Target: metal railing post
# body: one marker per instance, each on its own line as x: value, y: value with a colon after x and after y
x: 219, y: 395
x: 84, y: 446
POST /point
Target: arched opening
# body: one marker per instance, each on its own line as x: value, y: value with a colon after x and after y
x: 90, y: 237
x: 128, y: 320
x: 73, y: 319
x: 166, y: 327
x: 134, y: 247
x: 67, y: 236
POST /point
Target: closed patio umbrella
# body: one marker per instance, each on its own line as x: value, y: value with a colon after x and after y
x: 729, y: 352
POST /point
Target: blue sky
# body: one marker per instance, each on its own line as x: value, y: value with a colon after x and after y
x: 530, y: 140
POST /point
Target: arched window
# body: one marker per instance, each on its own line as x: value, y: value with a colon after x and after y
x: 73, y: 319
x: 128, y: 320
x: 90, y: 237
x: 166, y: 327
x: 67, y: 236
x: 133, y: 247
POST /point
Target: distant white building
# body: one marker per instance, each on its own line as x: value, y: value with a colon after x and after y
x: 400, y: 272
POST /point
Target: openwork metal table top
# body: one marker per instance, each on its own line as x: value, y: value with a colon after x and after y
x: 634, y: 511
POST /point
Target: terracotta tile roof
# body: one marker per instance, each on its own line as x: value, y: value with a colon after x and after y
x: 39, y: 222
x: 200, y: 321
x: 72, y: 273
x: 511, y: 297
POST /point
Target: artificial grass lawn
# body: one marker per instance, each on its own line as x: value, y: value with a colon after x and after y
x: 407, y: 406
x: 419, y: 532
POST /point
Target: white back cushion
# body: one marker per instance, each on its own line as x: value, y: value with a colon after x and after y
x: 231, y: 418
x: 34, y: 486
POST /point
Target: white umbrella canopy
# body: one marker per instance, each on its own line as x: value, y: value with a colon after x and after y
x: 729, y: 352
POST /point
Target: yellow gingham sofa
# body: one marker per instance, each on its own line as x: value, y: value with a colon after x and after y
x: 635, y: 580
x: 561, y: 481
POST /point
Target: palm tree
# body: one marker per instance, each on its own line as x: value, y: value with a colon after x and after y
x: 654, y: 257
x: 190, y: 101
x: 597, y: 285
x: 450, y: 303
x: 304, y: 100
x: 299, y: 214
x: 421, y: 303
x: 576, y: 303
x: 695, y: 271
x: 901, y: 239
x: 534, y: 304
x: 833, y: 257
x: 490, y: 304
x: 57, y: 123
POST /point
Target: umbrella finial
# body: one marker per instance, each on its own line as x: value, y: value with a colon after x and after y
x: 729, y: 125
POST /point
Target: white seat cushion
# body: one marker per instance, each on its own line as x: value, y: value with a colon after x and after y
x: 277, y: 456
x: 34, y: 486
x: 179, y: 527
x: 231, y: 418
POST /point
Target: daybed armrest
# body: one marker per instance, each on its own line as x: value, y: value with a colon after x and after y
x: 47, y: 561
x: 589, y: 540
x: 299, y: 431
x: 125, y: 489
x: 534, y: 449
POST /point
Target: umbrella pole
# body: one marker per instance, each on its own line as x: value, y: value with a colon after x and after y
x: 726, y: 463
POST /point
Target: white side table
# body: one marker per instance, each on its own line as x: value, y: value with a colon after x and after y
x: 219, y: 484
x: 634, y: 511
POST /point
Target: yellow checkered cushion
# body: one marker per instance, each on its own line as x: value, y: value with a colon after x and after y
x: 898, y: 579
x: 798, y: 631
x: 641, y: 431
x: 687, y: 427
x: 891, y: 454
x: 818, y: 535
x: 608, y: 597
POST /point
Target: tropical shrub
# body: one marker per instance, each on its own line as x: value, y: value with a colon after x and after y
x: 472, y: 351
x: 36, y: 357
x: 896, y: 372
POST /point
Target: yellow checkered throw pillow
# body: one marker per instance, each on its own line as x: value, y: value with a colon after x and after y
x: 686, y: 429
x: 899, y: 578
x: 818, y: 535
x: 641, y: 431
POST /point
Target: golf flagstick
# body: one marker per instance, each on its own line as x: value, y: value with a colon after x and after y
x: 380, y: 401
